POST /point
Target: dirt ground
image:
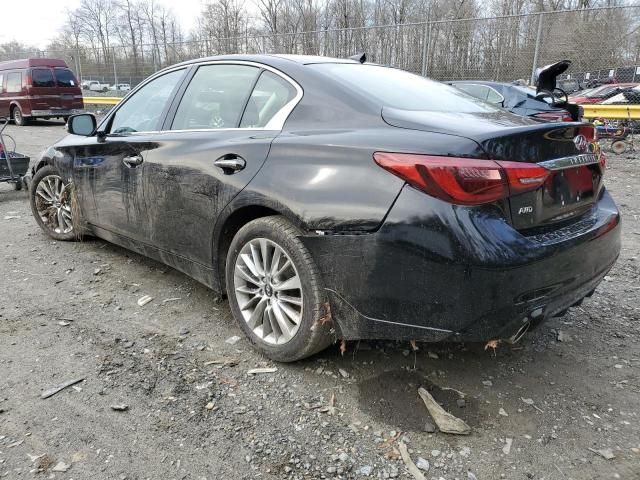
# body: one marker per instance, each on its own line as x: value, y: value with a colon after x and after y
x: 539, y: 410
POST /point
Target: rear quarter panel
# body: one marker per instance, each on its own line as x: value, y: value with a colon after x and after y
x: 327, y: 179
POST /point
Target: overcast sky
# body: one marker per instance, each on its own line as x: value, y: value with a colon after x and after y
x: 35, y: 22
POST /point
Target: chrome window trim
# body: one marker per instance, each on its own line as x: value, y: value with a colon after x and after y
x: 571, y: 161
x: 275, y: 124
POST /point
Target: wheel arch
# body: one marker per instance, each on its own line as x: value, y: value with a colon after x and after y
x: 16, y: 104
x: 233, y: 219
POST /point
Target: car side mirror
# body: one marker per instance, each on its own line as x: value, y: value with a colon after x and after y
x: 83, y: 124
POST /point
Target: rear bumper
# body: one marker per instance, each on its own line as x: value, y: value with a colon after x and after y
x: 56, y: 112
x: 435, y: 271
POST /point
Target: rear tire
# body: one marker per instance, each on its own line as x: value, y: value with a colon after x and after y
x: 53, y: 205
x: 619, y: 147
x: 267, y: 295
x: 18, y: 118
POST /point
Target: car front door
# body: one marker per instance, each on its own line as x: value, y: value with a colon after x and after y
x: 217, y: 137
x: 108, y: 167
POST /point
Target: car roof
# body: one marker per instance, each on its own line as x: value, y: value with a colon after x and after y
x: 268, y: 59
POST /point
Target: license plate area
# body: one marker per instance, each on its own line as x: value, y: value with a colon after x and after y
x: 567, y: 194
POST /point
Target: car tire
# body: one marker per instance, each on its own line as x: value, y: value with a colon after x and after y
x: 269, y: 309
x: 619, y: 147
x: 18, y: 118
x: 53, y: 205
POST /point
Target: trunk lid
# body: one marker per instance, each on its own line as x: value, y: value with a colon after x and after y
x: 568, y: 150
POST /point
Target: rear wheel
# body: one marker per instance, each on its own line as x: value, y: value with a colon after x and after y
x: 52, y: 204
x: 619, y: 147
x: 18, y: 118
x: 274, y: 290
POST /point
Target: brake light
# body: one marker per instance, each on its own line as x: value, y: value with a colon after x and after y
x: 27, y: 80
x: 558, y: 116
x: 464, y: 181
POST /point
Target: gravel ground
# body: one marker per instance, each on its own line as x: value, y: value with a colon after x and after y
x: 189, y: 409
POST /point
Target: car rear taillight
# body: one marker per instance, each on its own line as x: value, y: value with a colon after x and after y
x: 557, y: 116
x: 464, y: 181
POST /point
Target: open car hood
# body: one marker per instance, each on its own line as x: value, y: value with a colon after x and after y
x: 545, y: 77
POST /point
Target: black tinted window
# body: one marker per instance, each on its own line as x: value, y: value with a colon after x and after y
x: 215, y: 97
x: 269, y: 96
x: 41, y: 77
x: 65, y: 77
x: 14, y: 82
x: 399, y: 89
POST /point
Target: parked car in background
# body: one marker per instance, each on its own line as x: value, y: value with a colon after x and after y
x: 629, y: 95
x: 96, y: 86
x: 121, y: 87
x: 514, y: 98
x: 38, y: 88
x: 599, y: 94
x: 544, y: 102
x: 334, y: 199
x: 569, y: 85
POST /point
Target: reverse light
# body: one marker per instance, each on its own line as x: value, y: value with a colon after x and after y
x: 464, y: 181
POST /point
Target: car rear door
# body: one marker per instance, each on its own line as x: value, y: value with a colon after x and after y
x: 108, y: 167
x: 217, y: 137
x: 68, y: 90
x: 43, y: 92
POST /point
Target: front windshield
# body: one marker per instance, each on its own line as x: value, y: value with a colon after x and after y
x: 395, y: 88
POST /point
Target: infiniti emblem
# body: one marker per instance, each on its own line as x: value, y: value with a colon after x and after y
x: 581, y: 143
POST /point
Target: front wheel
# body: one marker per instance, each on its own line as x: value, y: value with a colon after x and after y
x: 275, y: 291
x: 52, y: 204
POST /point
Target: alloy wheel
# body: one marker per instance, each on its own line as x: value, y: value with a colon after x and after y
x: 53, y: 203
x: 268, y: 290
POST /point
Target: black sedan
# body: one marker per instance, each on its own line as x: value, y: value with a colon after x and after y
x: 517, y: 99
x: 331, y: 199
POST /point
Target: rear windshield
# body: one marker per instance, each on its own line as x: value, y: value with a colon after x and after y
x: 399, y: 89
x: 42, y: 77
x: 65, y: 77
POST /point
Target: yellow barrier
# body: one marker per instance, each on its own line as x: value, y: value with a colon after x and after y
x: 101, y: 100
x: 612, y: 112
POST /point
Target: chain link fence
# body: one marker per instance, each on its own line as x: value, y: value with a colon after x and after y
x: 601, y: 42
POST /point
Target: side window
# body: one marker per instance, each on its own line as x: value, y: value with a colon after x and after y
x: 215, y: 97
x: 269, y: 96
x: 475, y: 90
x: 1, y: 83
x: 14, y: 82
x: 142, y: 112
x: 42, y: 77
x: 493, y: 96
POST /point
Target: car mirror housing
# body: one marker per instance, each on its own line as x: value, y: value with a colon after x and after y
x: 83, y: 124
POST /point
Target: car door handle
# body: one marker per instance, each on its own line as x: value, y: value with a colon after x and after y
x: 132, y: 161
x: 230, y: 163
